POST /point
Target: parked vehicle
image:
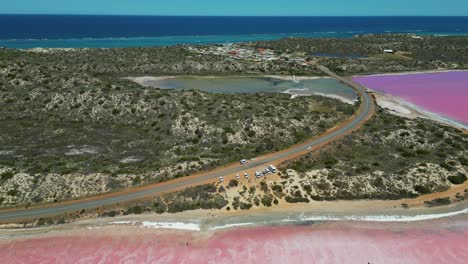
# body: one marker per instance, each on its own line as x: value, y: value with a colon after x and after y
x: 221, y: 179
x: 243, y: 161
x: 272, y: 168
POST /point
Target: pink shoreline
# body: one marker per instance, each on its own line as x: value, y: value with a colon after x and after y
x: 444, y: 93
x: 321, y: 243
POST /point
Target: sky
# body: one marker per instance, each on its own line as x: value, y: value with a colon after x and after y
x: 239, y: 7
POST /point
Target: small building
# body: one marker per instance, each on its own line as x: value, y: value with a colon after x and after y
x: 388, y: 51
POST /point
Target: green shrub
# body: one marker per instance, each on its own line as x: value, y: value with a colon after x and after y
x: 110, y: 214
x: 233, y: 183
x: 463, y: 161
x: 329, y: 161
x: 460, y: 178
x: 136, y: 180
x: 221, y: 189
x: 290, y: 199
x: 12, y: 192
x: 159, y: 207
x: 379, y: 183
x: 7, y: 175
x: 447, y: 166
x: 438, y: 202
x: 277, y: 188
x: 115, y: 111
x: 264, y: 186
x: 266, y: 200
x: 137, y: 209
x: 256, y: 201
x: 245, y: 206
x: 236, y: 203
x: 422, y: 189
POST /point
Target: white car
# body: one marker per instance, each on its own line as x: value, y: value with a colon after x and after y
x: 272, y: 168
x: 243, y: 161
x: 309, y: 148
x: 246, y: 175
x: 237, y: 176
x: 221, y: 179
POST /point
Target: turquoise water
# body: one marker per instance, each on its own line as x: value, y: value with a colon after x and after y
x: 122, y: 42
x: 229, y: 85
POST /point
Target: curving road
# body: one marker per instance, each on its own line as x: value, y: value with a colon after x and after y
x: 364, y: 112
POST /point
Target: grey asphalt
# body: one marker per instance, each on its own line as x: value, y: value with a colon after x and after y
x: 31, y: 213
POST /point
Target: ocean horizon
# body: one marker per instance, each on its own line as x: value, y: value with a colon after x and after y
x: 105, y: 31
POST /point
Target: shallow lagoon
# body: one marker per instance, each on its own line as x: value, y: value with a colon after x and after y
x: 442, y: 93
x: 319, y: 86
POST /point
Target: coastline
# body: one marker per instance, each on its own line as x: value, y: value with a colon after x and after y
x: 167, y: 77
x: 415, y: 111
x: 409, y: 72
x: 360, y: 211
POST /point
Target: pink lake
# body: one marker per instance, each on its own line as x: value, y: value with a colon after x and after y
x: 443, y: 242
x: 443, y: 93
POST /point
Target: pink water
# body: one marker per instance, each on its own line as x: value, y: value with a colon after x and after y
x: 325, y: 243
x: 444, y: 93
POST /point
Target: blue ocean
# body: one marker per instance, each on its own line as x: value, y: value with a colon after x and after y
x: 86, y: 31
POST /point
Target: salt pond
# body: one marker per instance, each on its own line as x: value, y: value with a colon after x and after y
x: 442, y: 93
x: 440, y: 241
x: 319, y: 86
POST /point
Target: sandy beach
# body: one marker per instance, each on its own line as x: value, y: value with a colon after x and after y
x: 410, y: 72
x: 279, y: 77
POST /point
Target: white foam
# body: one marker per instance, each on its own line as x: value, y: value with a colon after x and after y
x: 302, y: 218
x: 378, y: 218
x: 171, y: 225
x: 161, y: 225
x: 393, y: 106
x: 123, y: 222
x: 230, y: 225
x: 335, y: 96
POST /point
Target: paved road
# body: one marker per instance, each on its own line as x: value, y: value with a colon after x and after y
x: 29, y: 213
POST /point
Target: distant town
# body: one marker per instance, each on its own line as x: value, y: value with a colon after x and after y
x: 244, y: 52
